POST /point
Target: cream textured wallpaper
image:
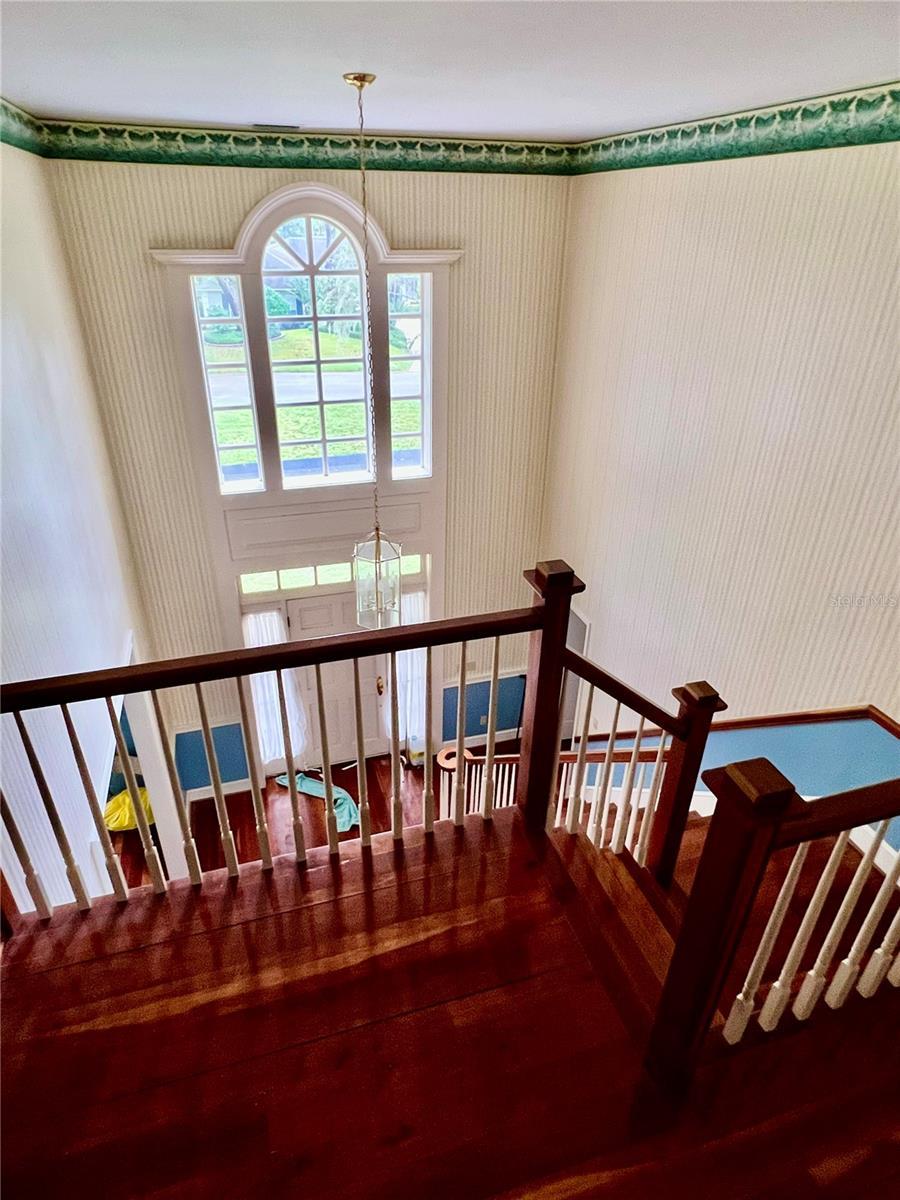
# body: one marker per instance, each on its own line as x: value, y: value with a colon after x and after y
x: 504, y: 295
x: 67, y: 602
x: 725, y: 450
x: 715, y: 454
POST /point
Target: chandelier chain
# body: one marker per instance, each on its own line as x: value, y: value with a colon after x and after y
x: 370, y: 362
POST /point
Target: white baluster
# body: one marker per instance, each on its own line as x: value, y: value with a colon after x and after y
x: 187, y: 840
x: 848, y: 970
x: 330, y: 815
x: 73, y: 874
x: 624, y: 810
x: 659, y: 768
x: 445, y: 796
x: 488, y: 802
x: 459, y: 794
x: 299, y: 837
x: 396, y: 799
x: 428, y: 791
x: 600, y: 807
x: 151, y: 857
x: 256, y: 790
x: 744, y: 1001
x: 814, y: 984
x: 635, y: 810
x: 878, y: 967
x: 113, y: 866
x: 573, y: 816
x: 780, y: 992
x: 565, y: 779
x: 362, y: 783
x: 225, y: 835
x: 554, y: 805
x: 32, y: 880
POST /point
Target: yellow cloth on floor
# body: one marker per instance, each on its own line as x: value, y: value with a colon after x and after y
x: 119, y: 812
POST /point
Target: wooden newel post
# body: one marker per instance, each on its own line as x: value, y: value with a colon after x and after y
x: 752, y: 800
x: 556, y: 583
x: 698, y: 703
x: 9, y: 911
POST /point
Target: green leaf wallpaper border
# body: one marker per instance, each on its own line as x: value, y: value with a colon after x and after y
x: 855, y: 118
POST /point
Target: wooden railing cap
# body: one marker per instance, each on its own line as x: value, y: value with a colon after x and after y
x: 556, y: 573
x: 755, y: 780
x: 700, y: 694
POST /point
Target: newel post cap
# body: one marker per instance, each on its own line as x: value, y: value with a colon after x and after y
x: 554, y: 576
x: 699, y: 694
x: 756, y: 781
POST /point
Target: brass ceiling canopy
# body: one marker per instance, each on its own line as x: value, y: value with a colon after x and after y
x: 358, y: 79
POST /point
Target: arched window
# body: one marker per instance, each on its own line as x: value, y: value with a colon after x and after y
x: 282, y: 347
x: 271, y: 336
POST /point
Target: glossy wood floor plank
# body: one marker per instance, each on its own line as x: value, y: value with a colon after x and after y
x: 146, y: 919
x: 409, y: 1026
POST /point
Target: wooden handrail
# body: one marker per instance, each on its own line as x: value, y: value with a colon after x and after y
x: 203, y: 668
x: 830, y: 815
x: 758, y: 812
x: 626, y: 695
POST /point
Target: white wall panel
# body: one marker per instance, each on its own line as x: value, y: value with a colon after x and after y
x: 725, y: 445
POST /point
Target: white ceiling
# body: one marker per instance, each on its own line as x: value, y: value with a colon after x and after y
x: 545, y: 69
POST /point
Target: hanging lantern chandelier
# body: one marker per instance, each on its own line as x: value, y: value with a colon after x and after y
x: 376, y: 560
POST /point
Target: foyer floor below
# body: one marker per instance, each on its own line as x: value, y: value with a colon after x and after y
x: 422, y: 1023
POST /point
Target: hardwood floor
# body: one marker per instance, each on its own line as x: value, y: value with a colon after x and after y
x: 205, y: 827
x: 415, y: 1023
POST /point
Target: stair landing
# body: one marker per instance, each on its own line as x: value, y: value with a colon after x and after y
x: 421, y: 1023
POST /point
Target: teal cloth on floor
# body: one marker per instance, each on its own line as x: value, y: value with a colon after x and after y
x: 345, y: 811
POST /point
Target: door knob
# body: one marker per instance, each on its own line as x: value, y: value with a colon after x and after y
x: 379, y: 685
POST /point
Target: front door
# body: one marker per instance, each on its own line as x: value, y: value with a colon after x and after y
x: 323, y: 616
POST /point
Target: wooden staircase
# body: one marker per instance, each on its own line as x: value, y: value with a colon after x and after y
x: 496, y: 999
x: 465, y: 1016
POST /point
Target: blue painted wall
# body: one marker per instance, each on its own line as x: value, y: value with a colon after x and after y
x: 509, y: 706
x: 818, y: 758
x: 117, y: 779
x: 190, y: 756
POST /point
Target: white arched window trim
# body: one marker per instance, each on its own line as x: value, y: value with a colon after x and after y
x: 279, y: 527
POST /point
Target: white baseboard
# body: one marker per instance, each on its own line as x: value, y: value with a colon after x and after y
x: 228, y: 789
x: 503, y: 735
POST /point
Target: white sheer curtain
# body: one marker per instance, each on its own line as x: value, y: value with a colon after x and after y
x: 269, y: 629
x: 411, y: 683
